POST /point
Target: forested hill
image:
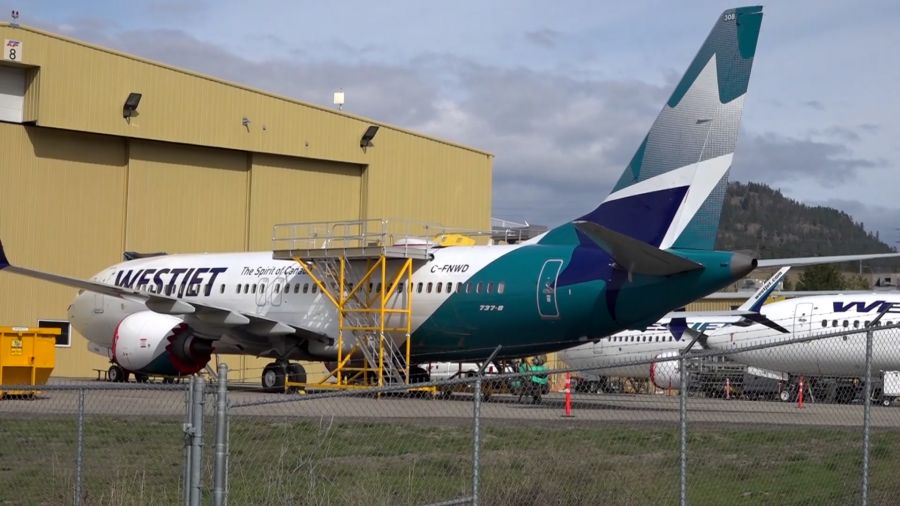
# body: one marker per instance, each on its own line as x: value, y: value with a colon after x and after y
x: 758, y: 218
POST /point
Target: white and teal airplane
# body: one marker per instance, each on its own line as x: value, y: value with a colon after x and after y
x: 646, y: 249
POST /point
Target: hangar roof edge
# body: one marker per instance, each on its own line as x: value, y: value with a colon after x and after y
x: 244, y: 87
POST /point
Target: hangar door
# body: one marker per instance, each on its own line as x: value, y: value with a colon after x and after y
x: 289, y: 190
x: 186, y: 198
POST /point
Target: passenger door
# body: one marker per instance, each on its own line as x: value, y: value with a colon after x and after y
x: 546, y: 289
x: 802, y: 319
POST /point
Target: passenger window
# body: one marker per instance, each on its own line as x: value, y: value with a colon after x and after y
x: 856, y: 324
x: 834, y: 323
x: 254, y: 288
x: 378, y: 288
x: 501, y: 286
x: 478, y: 287
x: 297, y: 288
x: 237, y: 288
x: 429, y: 286
x: 866, y: 324
x: 490, y: 287
x: 305, y: 287
x: 400, y: 287
x: 419, y: 287
x: 315, y: 289
x: 846, y: 324
x: 438, y: 287
x: 277, y: 288
x: 824, y: 323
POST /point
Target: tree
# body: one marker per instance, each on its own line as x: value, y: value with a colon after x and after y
x: 857, y: 282
x: 821, y: 277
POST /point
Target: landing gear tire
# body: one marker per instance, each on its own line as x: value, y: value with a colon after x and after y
x: 141, y: 378
x: 784, y: 396
x: 887, y: 401
x: 116, y: 374
x: 296, y: 374
x: 273, y: 378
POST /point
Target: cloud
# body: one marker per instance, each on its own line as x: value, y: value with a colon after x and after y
x: 839, y: 133
x: 547, y: 39
x: 778, y: 159
x: 815, y: 104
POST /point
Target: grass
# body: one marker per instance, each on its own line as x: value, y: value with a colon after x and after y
x: 328, y: 461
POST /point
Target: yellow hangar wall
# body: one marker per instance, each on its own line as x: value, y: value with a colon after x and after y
x: 81, y: 184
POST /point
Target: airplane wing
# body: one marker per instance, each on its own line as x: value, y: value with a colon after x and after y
x: 164, y: 304
x: 801, y: 261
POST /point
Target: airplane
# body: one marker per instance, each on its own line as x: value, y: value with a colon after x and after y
x: 646, y: 249
x: 648, y: 353
x: 807, y: 317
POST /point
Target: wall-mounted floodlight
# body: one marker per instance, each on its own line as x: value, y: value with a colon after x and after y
x: 366, y: 140
x: 131, y: 104
x: 339, y: 99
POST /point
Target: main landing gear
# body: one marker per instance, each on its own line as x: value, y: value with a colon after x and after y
x: 274, y: 374
x: 117, y: 374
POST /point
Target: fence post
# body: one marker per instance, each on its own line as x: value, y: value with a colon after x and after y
x: 867, y: 408
x: 188, y: 417
x: 79, y: 448
x: 219, y: 492
x: 476, y: 437
x: 476, y: 426
x: 682, y: 421
x: 198, y: 400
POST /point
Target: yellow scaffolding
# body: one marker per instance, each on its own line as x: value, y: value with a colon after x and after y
x: 362, y: 312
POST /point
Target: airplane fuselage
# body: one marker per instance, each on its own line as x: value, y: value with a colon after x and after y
x: 529, y: 298
x: 818, y: 315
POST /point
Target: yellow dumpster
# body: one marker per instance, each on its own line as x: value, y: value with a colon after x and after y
x: 27, y: 357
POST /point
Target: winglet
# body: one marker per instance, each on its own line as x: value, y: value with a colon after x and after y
x: 4, y: 262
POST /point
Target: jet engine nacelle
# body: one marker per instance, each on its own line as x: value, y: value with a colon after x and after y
x: 153, y: 343
x: 664, y: 371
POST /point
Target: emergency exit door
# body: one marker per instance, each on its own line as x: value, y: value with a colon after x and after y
x: 546, y: 289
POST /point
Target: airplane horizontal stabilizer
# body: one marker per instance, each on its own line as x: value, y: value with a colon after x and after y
x: 801, y: 261
x: 633, y: 255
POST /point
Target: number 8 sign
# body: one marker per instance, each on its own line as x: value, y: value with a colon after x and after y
x: 12, y: 50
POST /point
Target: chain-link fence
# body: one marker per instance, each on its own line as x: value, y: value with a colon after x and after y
x: 746, y: 433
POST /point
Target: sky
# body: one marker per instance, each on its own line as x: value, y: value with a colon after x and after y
x: 561, y: 93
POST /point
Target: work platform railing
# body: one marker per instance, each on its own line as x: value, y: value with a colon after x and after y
x: 368, y: 238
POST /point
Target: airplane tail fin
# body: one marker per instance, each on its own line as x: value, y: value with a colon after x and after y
x: 671, y: 193
x: 756, y: 301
